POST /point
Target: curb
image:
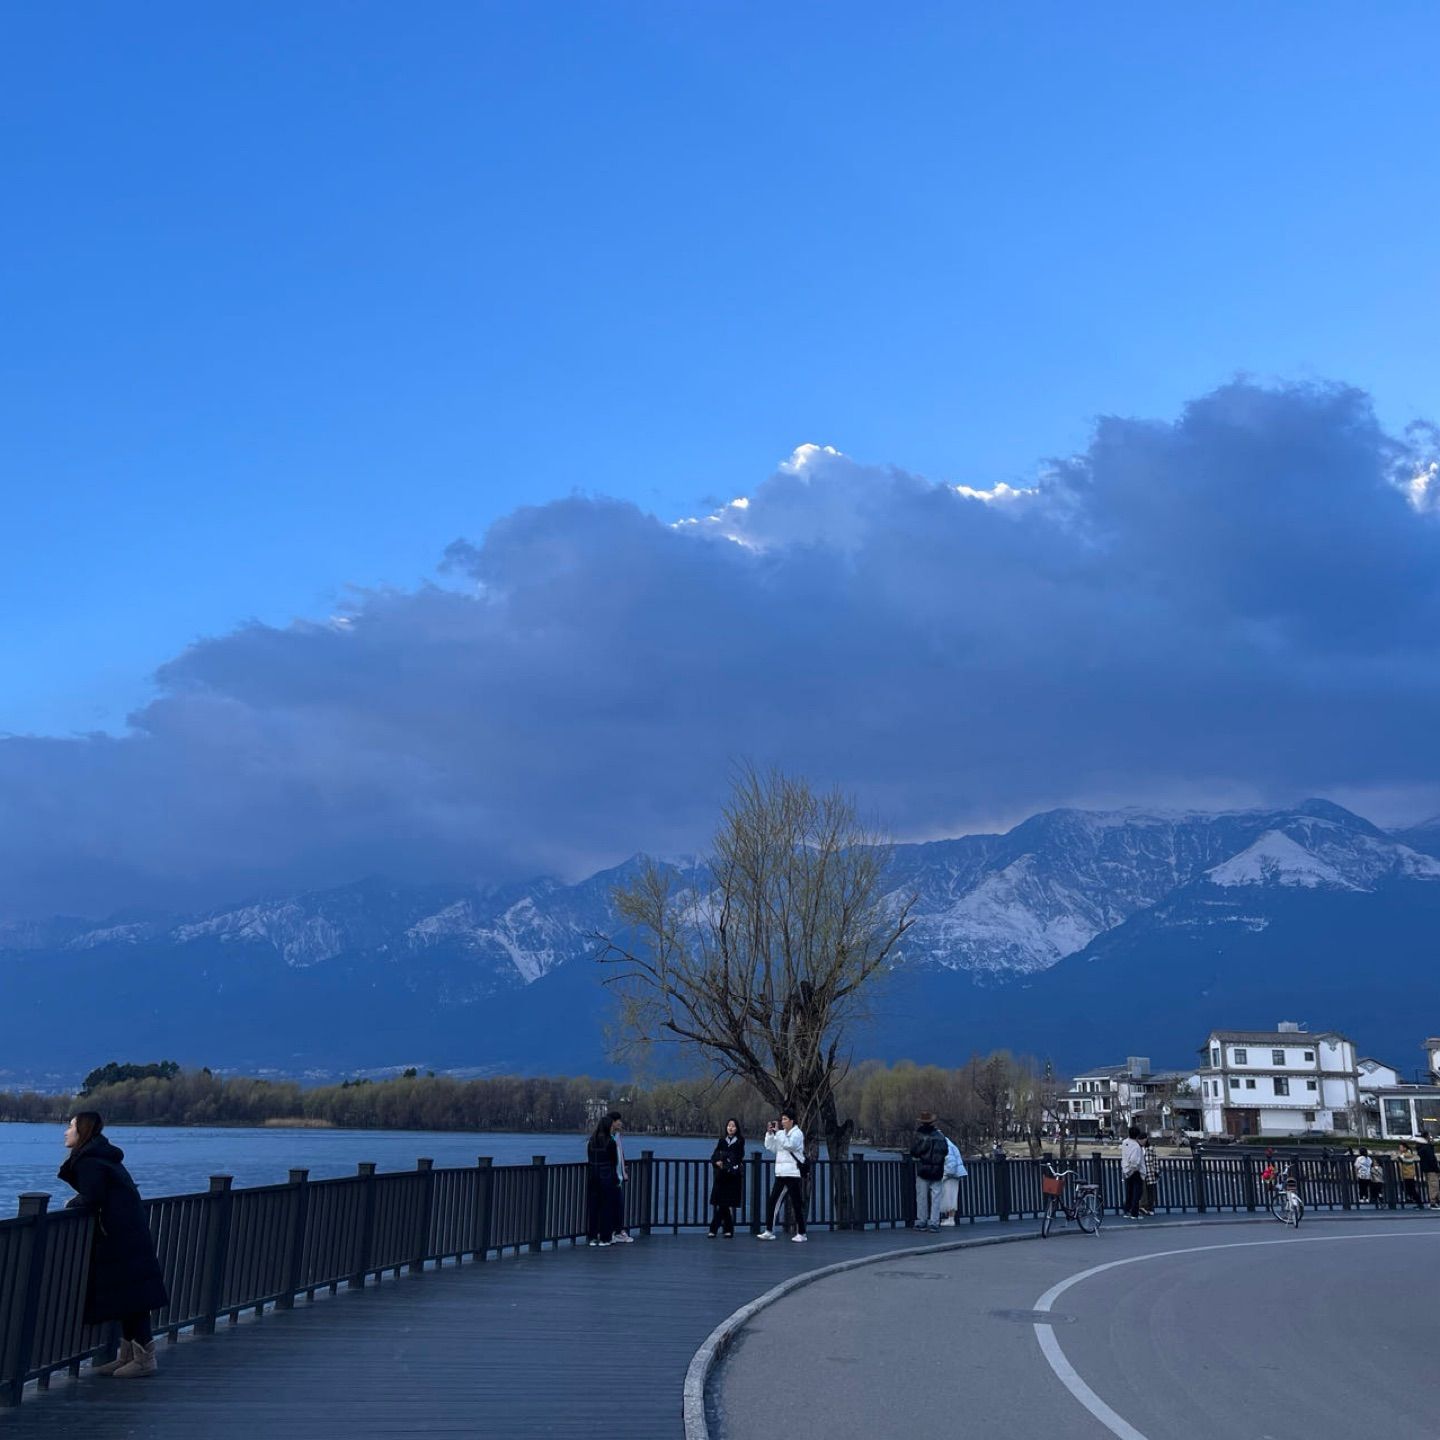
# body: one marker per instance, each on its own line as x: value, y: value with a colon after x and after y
x: 705, y: 1359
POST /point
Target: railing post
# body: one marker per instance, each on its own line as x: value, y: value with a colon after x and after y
x: 422, y: 1218
x: 860, y: 1191
x: 295, y: 1255
x: 1392, y: 1187
x: 1097, y: 1175
x: 1347, y: 1181
x: 757, y: 1191
x: 217, y: 1248
x: 1248, y: 1179
x: 15, y: 1363
x: 1002, y: 1187
x: 647, y: 1199
x: 484, y: 1195
x: 542, y: 1196
x: 1197, y: 1178
x: 365, y: 1239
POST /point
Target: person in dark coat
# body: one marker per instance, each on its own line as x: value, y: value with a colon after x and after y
x: 602, y: 1182
x: 727, y: 1185
x: 125, y: 1282
x: 928, y: 1150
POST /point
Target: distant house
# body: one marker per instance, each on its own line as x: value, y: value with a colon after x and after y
x: 1394, y: 1110
x: 1278, y: 1082
x: 1114, y: 1097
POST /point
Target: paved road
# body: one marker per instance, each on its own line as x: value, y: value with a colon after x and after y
x: 1230, y: 1332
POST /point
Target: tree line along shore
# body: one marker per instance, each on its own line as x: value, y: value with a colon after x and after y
x: 990, y: 1097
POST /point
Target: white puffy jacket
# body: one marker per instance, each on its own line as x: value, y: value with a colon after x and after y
x: 788, y: 1147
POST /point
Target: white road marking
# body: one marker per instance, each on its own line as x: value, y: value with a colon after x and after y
x: 1069, y: 1377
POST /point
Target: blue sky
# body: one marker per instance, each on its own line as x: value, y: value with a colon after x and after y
x: 297, y: 295
x: 299, y: 300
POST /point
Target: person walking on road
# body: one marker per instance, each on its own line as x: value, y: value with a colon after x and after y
x: 785, y: 1140
x: 602, y: 1182
x: 929, y: 1151
x: 727, y: 1182
x: 1429, y: 1170
x: 1132, y: 1169
x: 125, y: 1282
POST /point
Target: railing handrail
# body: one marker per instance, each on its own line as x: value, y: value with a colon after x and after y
x: 225, y: 1250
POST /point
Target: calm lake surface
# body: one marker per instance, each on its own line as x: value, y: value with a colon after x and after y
x: 173, y: 1161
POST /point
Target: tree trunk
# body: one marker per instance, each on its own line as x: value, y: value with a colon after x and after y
x: 837, y: 1142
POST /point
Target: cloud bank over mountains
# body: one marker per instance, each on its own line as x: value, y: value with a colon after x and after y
x: 1243, y: 603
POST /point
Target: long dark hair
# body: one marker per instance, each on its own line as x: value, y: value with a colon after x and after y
x: 88, y: 1125
x: 602, y: 1129
x: 739, y: 1133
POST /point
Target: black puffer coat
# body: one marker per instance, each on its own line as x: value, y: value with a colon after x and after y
x: 728, y: 1185
x: 125, y: 1276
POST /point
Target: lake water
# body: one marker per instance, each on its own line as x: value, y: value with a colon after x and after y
x: 176, y: 1161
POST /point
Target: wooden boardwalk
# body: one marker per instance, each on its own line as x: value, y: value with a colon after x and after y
x: 561, y: 1344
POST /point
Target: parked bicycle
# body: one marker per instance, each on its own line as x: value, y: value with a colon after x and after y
x: 1079, y: 1202
x: 1285, y: 1202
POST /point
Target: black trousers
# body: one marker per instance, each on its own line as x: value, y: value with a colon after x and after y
x: 604, y: 1209
x: 722, y: 1217
x: 1134, y: 1192
x: 136, y: 1327
x: 790, y: 1187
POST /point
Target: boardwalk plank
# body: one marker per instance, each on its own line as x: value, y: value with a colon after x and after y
x: 552, y: 1345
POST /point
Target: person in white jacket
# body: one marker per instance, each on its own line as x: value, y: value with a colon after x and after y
x: 1132, y: 1168
x: 785, y: 1140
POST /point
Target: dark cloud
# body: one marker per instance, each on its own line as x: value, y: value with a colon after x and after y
x: 1246, y: 601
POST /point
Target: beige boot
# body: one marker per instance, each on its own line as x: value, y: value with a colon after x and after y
x: 142, y: 1362
x: 127, y: 1353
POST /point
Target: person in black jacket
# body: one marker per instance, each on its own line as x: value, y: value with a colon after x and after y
x: 928, y: 1150
x: 602, y: 1182
x: 125, y: 1282
x: 727, y: 1187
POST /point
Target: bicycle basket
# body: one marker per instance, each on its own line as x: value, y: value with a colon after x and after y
x: 1052, y: 1184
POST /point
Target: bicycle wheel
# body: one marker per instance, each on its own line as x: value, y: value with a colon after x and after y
x: 1089, y: 1214
x: 1295, y: 1211
x: 1047, y: 1215
x: 1280, y: 1207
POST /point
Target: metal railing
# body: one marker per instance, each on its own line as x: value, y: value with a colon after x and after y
x: 225, y: 1251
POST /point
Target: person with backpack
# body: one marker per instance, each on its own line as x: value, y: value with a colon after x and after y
x: 124, y: 1282
x: 929, y: 1150
x: 785, y: 1140
x: 1370, y: 1187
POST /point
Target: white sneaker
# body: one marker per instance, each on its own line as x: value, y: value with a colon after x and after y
x: 625, y: 1239
x: 798, y: 1239
x: 766, y: 1235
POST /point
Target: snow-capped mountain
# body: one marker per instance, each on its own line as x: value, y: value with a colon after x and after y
x: 504, y: 976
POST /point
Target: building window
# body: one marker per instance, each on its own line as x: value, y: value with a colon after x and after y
x: 1234, y: 1082
x: 1311, y: 1085
x: 1249, y: 1084
x: 1282, y: 1085
x: 1310, y: 1055
x: 1309, y: 1117
x: 1277, y: 1057
x: 1215, y: 1056
x: 1242, y: 1056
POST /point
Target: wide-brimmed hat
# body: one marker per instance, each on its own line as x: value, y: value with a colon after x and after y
x: 926, y: 1118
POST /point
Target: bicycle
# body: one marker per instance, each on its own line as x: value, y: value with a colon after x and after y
x: 1285, y: 1202
x: 1079, y: 1202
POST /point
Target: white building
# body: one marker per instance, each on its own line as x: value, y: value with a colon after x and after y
x: 1278, y: 1082
x: 1397, y: 1111
x: 1114, y: 1097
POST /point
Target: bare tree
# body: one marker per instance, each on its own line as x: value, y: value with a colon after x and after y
x: 764, y: 961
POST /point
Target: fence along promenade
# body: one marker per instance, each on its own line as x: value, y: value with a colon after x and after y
x: 226, y: 1251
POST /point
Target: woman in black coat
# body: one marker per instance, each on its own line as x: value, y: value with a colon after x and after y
x: 727, y: 1188
x: 603, y: 1201
x: 125, y: 1283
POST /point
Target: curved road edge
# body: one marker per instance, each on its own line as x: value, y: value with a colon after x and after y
x: 709, y: 1355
